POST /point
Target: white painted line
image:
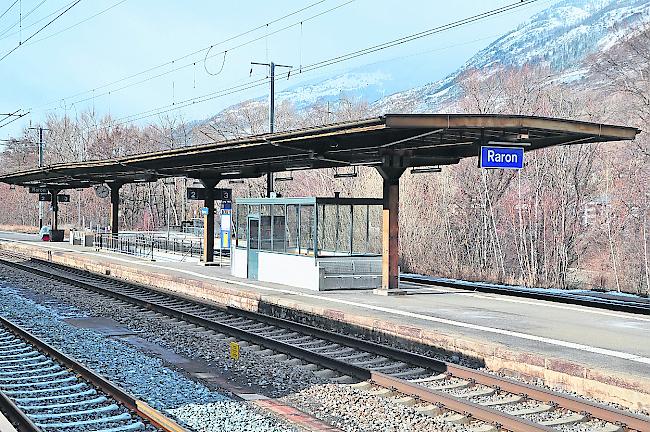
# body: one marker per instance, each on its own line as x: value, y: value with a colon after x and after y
x: 525, y: 336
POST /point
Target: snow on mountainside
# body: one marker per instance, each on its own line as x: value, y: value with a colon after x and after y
x: 563, y: 33
x: 332, y: 88
x: 559, y: 37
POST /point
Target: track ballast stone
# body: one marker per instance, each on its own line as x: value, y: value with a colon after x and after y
x: 256, y: 372
x: 276, y: 378
x: 354, y: 410
x: 143, y: 376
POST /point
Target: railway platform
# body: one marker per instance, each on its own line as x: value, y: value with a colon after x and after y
x: 577, y: 348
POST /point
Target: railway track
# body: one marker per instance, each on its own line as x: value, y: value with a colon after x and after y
x: 41, y: 389
x: 639, y: 306
x: 437, y: 387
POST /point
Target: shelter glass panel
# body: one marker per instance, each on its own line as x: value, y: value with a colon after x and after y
x: 344, y: 229
x: 292, y: 228
x: 241, y: 227
x: 327, y: 229
x: 254, y: 239
x: 265, y: 227
x: 279, y: 228
x: 360, y: 229
x: 306, y: 229
x: 374, y: 229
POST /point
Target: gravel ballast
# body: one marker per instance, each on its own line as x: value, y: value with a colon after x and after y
x: 252, y: 371
x: 143, y: 376
x: 356, y: 411
x: 332, y: 404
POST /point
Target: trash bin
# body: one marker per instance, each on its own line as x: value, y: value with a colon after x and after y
x: 56, y: 235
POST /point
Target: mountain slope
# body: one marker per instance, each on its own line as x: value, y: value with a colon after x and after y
x: 560, y: 37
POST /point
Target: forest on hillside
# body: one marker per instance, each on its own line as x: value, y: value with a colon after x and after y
x: 576, y: 216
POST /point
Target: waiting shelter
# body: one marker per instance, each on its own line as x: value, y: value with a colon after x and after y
x: 313, y: 243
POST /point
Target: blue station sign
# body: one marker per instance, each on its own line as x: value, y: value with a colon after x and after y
x: 501, y: 157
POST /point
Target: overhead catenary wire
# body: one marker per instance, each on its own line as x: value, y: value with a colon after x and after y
x: 114, y: 5
x: 327, y: 62
x: 438, y: 49
x: 35, y: 23
x: 193, y: 53
x: 39, y: 30
x: 415, y: 36
x: 191, y: 101
x: 9, y: 8
x: 205, y: 65
x: 22, y: 17
x: 175, y: 69
x: 14, y: 119
x: 8, y: 115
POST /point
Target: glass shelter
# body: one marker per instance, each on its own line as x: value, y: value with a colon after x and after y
x: 314, y: 243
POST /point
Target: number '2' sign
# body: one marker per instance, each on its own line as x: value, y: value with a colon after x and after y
x: 197, y: 194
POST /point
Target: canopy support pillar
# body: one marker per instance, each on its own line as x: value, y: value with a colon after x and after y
x: 390, y: 231
x: 56, y: 235
x: 115, y: 207
x: 54, y: 193
x: 269, y: 184
x: 208, y: 221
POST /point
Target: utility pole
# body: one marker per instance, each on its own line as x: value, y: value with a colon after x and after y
x: 40, y: 165
x: 272, y: 66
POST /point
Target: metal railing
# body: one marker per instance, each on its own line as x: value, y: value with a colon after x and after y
x: 192, y: 230
x: 147, y: 246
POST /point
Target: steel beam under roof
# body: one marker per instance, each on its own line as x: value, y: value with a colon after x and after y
x: 412, y: 139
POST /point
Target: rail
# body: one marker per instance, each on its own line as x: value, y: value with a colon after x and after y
x: 24, y: 422
x: 595, y: 299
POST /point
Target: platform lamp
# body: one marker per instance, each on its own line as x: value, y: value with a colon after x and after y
x: 352, y: 174
x: 284, y: 179
x: 422, y: 170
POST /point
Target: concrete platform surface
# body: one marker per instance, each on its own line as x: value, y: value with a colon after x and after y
x: 591, y: 351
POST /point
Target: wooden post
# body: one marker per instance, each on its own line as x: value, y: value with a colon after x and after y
x: 390, y: 232
x: 390, y: 236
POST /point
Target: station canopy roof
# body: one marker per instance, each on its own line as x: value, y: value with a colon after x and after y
x: 408, y: 140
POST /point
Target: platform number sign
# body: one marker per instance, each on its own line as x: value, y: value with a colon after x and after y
x: 234, y: 350
x: 62, y: 198
x: 197, y: 194
x: 501, y: 157
x: 223, y: 194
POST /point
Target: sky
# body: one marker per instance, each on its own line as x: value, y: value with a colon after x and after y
x: 69, y: 66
